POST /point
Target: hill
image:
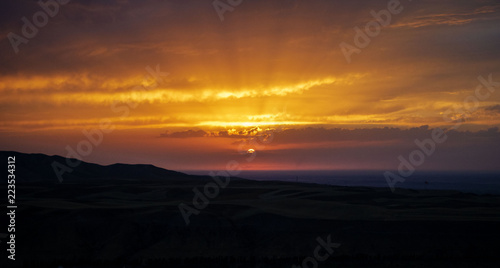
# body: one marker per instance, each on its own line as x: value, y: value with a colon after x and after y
x: 41, y: 167
x: 129, y: 216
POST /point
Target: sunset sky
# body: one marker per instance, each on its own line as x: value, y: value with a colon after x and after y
x: 270, y: 76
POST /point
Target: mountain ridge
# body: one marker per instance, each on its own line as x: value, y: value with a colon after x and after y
x: 41, y: 167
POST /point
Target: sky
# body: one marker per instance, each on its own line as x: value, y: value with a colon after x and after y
x: 192, y: 85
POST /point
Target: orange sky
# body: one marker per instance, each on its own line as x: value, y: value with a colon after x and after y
x: 271, y: 65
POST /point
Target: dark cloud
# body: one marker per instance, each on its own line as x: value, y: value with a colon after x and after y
x: 494, y: 108
x: 350, y: 138
x: 185, y: 134
x: 352, y: 149
x: 236, y: 134
x: 338, y: 134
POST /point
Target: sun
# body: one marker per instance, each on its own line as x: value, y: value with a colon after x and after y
x: 250, y: 151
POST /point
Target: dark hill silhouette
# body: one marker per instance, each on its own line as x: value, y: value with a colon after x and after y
x: 129, y: 216
x: 38, y: 167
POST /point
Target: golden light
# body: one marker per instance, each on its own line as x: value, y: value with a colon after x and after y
x: 250, y: 151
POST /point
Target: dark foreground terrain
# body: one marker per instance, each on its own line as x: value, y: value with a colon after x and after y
x: 132, y: 219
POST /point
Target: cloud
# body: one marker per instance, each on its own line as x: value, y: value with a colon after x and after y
x: 357, y: 137
x: 493, y: 108
x: 379, y: 148
x: 94, y: 89
x: 185, y: 134
x: 235, y: 133
x: 487, y: 12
